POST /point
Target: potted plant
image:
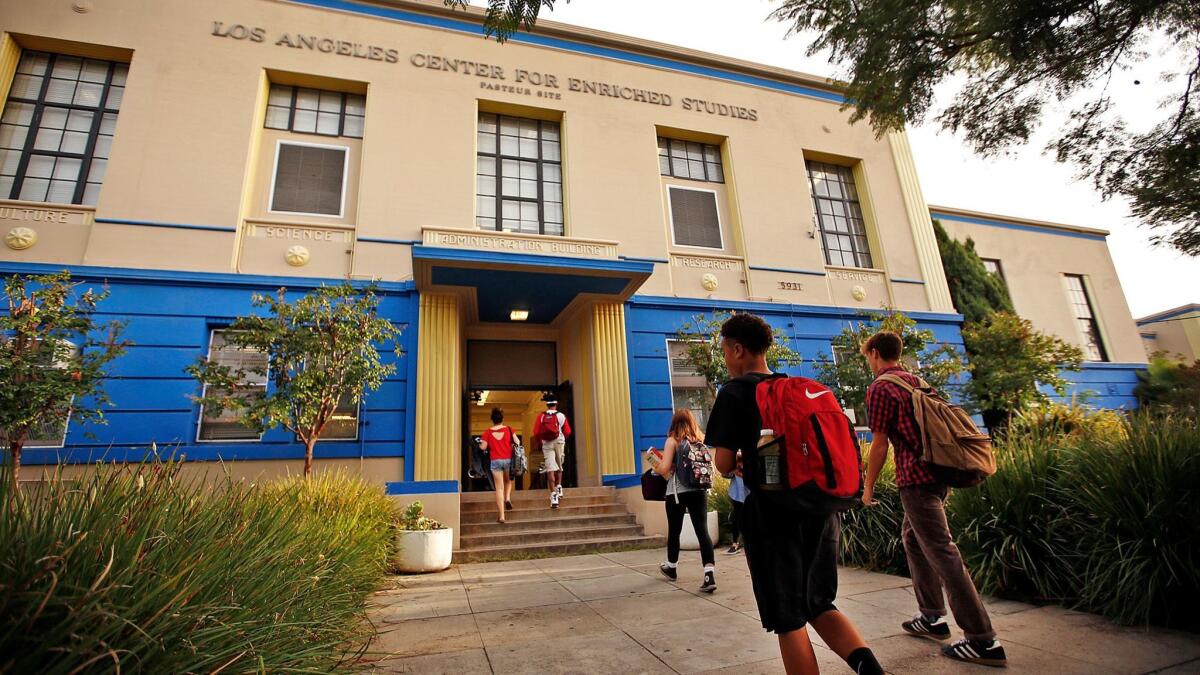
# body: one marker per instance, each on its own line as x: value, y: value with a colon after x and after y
x: 718, y: 510
x: 422, y: 543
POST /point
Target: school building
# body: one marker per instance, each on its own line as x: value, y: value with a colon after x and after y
x: 1174, y: 332
x: 542, y: 216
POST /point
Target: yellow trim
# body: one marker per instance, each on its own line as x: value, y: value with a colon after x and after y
x: 293, y: 79
x: 1191, y: 332
x: 867, y: 205
x: 928, y: 257
x: 438, y: 406
x: 612, y: 389
x: 585, y: 400
x: 250, y: 172
x: 738, y: 233
x: 10, y: 56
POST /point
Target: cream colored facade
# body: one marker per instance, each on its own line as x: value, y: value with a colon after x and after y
x: 1175, y: 332
x: 187, y: 201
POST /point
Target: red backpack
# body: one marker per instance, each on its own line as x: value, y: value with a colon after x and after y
x: 814, y: 441
x: 549, y: 430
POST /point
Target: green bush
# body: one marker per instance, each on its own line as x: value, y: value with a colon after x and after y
x: 871, y: 536
x: 1093, y: 511
x: 1138, y: 520
x: 135, y: 569
x: 719, y: 501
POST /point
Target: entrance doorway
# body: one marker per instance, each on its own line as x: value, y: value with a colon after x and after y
x: 521, y: 409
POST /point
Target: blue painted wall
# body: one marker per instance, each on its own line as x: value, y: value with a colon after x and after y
x: 651, y: 321
x: 168, y: 317
x: 1103, y: 385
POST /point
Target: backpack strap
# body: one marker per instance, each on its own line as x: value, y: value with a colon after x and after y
x: 897, y: 380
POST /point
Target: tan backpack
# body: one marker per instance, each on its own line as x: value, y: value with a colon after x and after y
x: 961, y: 455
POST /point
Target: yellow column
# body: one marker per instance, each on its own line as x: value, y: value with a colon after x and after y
x: 1191, y: 331
x: 936, y: 288
x: 611, y: 376
x: 10, y: 55
x: 250, y: 173
x: 439, y: 395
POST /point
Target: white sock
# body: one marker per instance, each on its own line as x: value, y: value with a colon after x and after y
x: 670, y: 565
x: 710, y: 568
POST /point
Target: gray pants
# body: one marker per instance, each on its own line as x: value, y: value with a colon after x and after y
x: 935, y: 563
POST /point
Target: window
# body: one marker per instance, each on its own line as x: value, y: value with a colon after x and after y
x: 1085, y: 318
x: 226, y: 427
x: 343, y: 425
x: 313, y: 111
x: 992, y: 266
x: 309, y: 179
x: 694, y: 161
x: 50, y: 433
x: 518, y: 175
x: 839, y: 215
x: 58, y: 126
x: 688, y: 387
x: 840, y: 356
x: 694, y: 217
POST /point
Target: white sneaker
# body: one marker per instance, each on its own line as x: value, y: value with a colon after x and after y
x: 559, y: 490
x: 554, y: 500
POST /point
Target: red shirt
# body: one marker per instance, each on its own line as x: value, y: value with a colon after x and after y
x: 499, y: 448
x: 890, y: 410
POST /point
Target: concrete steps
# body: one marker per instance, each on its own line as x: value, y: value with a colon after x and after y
x: 589, y: 520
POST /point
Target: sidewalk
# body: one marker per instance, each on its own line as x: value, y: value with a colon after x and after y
x: 614, y: 613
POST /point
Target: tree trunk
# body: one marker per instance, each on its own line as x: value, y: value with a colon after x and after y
x: 308, y: 457
x: 15, y: 449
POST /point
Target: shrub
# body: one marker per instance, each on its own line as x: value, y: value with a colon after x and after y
x: 719, y: 501
x: 1168, y: 385
x: 871, y: 536
x: 1050, y: 423
x: 1011, y: 529
x: 134, y: 568
x: 1138, y: 508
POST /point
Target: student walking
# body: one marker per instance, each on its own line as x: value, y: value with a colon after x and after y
x: 498, y: 441
x: 682, y: 497
x: 791, y: 543
x: 737, y: 496
x: 933, y: 558
x: 552, y: 429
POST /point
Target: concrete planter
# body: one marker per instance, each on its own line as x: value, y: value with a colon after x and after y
x: 423, y: 551
x: 687, y: 537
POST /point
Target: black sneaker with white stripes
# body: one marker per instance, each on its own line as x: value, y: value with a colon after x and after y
x: 983, y: 652
x: 934, y: 628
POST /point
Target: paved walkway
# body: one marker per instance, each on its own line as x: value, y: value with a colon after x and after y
x: 614, y: 613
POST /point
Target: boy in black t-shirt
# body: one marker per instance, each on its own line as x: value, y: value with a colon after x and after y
x: 791, y: 546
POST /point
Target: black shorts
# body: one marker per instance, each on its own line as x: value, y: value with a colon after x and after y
x: 792, y: 554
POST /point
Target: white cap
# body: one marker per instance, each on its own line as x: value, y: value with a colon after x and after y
x: 767, y: 432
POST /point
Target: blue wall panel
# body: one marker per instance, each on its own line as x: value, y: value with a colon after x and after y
x: 651, y: 321
x: 168, y: 317
x: 1103, y: 385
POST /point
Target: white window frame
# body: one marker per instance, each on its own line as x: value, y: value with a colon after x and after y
x: 275, y: 178
x: 62, y: 441
x: 204, y: 392
x: 671, y: 373
x: 671, y: 218
x: 357, y: 423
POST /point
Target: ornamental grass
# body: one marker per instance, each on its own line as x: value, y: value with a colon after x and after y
x: 1096, y: 514
x: 135, y: 569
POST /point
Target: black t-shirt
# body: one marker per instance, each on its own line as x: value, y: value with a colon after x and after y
x: 734, y: 422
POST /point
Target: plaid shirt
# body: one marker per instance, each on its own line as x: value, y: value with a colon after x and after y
x: 890, y: 410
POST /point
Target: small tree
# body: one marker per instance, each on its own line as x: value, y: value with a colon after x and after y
x: 847, y: 372
x: 701, y: 336
x: 321, y: 350
x: 1009, y: 359
x: 52, y: 358
x: 1169, y: 385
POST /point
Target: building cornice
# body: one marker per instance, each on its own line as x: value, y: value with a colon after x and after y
x: 969, y: 216
x: 1166, y: 314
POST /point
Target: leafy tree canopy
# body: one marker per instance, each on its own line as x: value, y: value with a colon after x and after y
x: 1009, y: 360
x: 502, y: 18
x: 975, y: 291
x: 52, y: 358
x: 702, y: 339
x: 321, y: 350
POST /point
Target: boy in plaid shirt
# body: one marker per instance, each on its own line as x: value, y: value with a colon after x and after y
x: 933, y: 558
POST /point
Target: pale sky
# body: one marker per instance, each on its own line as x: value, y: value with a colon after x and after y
x: 1028, y: 185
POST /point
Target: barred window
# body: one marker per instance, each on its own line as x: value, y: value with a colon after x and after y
x: 693, y: 161
x: 839, y: 216
x: 50, y: 433
x: 57, y: 127
x: 1085, y: 318
x: 343, y: 424
x: 688, y: 387
x: 226, y: 427
x: 315, y: 111
x: 518, y: 182
x: 309, y: 179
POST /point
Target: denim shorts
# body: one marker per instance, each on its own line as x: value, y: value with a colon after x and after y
x: 501, y: 464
